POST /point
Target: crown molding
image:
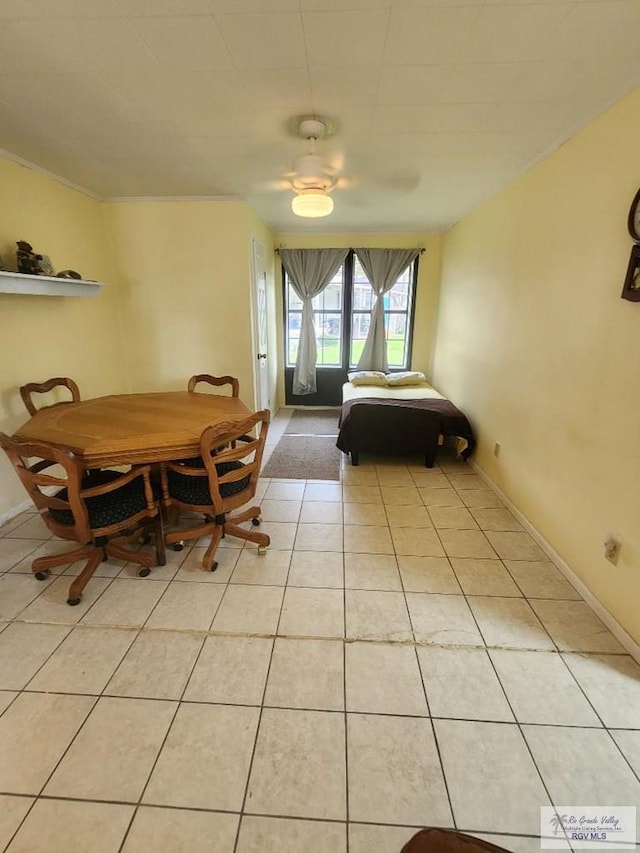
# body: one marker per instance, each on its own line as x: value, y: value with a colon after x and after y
x: 34, y: 167
x: 137, y: 199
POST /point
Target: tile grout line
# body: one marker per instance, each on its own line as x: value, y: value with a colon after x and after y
x: 344, y: 696
x: 259, y: 723
x: 535, y: 615
x: 170, y: 726
x: 90, y: 711
x: 286, y: 586
x: 426, y: 698
x: 162, y: 745
x: 526, y: 742
x: 408, y: 716
x: 36, y: 797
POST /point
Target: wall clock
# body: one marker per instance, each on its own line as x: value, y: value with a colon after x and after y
x: 631, y: 288
x: 633, y: 223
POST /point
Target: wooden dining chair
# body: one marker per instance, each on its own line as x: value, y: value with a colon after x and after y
x: 26, y: 391
x: 91, y: 515
x: 226, y: 480
x: 216, y: 381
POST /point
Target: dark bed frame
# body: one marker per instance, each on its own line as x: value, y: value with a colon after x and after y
x: 397, y: 427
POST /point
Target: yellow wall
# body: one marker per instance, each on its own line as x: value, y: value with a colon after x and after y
x: 43, y: 336
x: 535, y: 344
x: 185, y: 282
x: 427, y: 289
x: 178, y: 299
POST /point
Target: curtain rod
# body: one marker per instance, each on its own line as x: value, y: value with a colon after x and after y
x: 422, y: 249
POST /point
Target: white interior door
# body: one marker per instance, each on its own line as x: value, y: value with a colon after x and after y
x: 260, y: 338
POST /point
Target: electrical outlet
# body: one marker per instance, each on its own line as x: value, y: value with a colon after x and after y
x: 612, y: 549
x: 496, y: 448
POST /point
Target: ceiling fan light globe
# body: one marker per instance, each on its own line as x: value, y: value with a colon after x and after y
x: 312, y: 204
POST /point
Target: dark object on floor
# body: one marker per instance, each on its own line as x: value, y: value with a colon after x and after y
x: 224, y: 481
x: 401, y: 427
x: 304, y: 457
x: 448, y: 841
x: 69, y: 274
x: 313, y: 422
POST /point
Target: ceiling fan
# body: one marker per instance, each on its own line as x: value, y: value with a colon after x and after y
x: 319, y: 169
x: 312, y: 176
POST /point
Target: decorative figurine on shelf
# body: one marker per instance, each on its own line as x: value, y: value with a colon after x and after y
x: 45, y: 267
x: 26, y: 258
x: 31, y: 264
x: 69, y: 274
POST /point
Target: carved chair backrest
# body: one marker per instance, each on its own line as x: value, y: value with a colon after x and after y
x: 26, y: 391
x: 216, y: 381
x: 224, y: 443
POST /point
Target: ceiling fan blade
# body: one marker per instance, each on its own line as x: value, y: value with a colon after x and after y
x: 378, y: 168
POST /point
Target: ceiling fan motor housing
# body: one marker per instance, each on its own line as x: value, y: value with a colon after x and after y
x: 312, y: 128
x: 310, y: 170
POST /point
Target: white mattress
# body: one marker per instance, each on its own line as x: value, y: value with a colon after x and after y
x: 424, y: 391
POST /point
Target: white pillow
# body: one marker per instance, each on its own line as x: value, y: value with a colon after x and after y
x: 409, y: 377
x: 367, y: 377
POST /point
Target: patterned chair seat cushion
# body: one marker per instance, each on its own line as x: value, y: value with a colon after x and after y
x: 195, y: 490
x: 108, y: 509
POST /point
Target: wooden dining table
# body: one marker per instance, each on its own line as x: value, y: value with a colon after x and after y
x: 132, y: 429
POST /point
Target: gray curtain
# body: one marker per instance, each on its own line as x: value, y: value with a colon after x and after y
x: 309, y: 271
x: 383, y: 268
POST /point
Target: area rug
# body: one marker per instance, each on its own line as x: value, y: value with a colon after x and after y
x: 313, y: 422
x: 304, y: 457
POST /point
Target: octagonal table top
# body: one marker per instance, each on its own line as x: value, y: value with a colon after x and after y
x: 132, y: 428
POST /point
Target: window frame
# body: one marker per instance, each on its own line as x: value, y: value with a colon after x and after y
x: 342, y: 312
x: 347, y: 313
x: 409, y: 313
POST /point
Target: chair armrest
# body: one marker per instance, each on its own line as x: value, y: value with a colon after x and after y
x: 143, y: 471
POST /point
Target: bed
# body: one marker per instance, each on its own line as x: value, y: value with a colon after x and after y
x: 400, y: 421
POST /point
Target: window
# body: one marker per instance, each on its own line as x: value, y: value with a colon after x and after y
x: 397, y: 315
x: 328, y: 312
x: 350, y: 295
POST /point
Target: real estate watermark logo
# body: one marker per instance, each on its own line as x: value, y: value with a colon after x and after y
x: 588, y: 827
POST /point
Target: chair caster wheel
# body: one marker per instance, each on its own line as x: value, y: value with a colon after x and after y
x: 73, y: 601
x: 262, y: 550
x: 256, y: 521
x: 143, y: 573
x: 179, y: 546
x: 214, y: 566
x: 42, y: 576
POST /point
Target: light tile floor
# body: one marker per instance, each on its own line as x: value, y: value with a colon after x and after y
x: 404, y: 655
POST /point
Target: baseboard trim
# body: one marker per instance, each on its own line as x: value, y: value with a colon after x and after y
x: 594, y: 603
x: 15, y: 510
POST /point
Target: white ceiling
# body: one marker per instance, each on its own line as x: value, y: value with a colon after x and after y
x: 438, y: 103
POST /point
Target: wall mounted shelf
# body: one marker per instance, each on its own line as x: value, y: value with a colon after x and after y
x: 46, y: 285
